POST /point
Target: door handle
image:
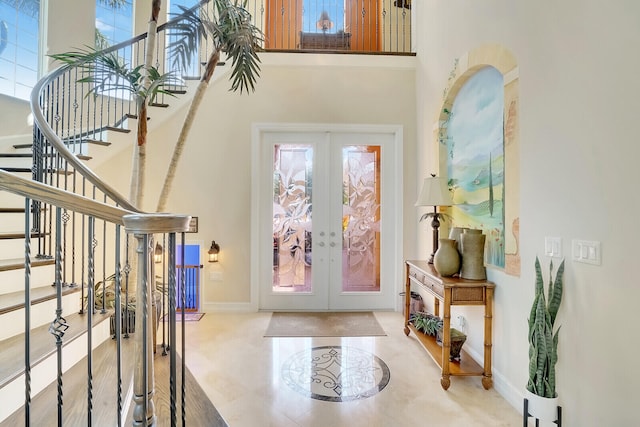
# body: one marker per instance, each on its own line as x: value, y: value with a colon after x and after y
x: 332, y: 244
x: 320, y: 244
x: 322, y: 234
x: 333, y: 234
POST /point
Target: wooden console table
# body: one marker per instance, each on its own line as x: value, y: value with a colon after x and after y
x: 452, y: 291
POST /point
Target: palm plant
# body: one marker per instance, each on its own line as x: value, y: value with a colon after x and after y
x: 543, y: 340
x: 231, y: 31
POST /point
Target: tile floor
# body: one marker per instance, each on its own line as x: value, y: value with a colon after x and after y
x: 242, y: 373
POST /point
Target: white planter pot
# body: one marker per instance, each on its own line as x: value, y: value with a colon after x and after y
x: 542, y: 408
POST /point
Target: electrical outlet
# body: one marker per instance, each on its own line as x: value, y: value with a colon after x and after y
x: 462, y: 323
x: 215, y: 276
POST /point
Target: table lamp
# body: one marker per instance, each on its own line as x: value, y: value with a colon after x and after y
x: 435, y: 192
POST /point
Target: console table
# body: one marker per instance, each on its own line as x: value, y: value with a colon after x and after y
x: 451, y: 291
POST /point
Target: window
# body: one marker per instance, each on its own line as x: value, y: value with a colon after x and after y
x: 19, y: 25
x: 192, y: 69
x: 114, y: 22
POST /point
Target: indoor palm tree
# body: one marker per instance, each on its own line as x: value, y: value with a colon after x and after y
x: 231, y: 31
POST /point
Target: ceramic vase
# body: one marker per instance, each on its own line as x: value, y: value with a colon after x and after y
x: 456, y: 233
x: 446, y: 261
x: 473, y: 255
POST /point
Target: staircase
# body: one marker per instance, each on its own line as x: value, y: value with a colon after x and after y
x: 62, y: 233
x: 15, y: 157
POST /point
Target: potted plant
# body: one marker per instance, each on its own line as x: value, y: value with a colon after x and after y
x: 541, y: 395
x: 432, y: 325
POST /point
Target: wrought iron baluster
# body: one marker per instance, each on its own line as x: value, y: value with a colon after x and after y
x: 27, y: 314
x: 118, y: 324
x: 91, y: 304
x: 59, y: 326
x: 183, y: 297
x: 172, y: 324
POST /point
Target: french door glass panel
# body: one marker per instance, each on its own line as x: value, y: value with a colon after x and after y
x: 292, y: 217
x: 323, y: 215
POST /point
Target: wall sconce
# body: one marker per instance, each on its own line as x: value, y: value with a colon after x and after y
x: 214, y: 250
x: 157, y: 253
x: 435, y: 192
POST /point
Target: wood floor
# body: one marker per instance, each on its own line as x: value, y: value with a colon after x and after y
x: 198, y: 408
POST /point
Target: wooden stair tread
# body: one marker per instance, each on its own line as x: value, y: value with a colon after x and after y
x: 199, y: 409
x: 16, y: 155
x: 16, y: 170
x: 27, y: 145
x: 11, y: 210
x: 8, y: 235
x: 134, y: 116
x: 116, y: 129
x: 95, y: 142
x: 18, y: 263
x: 15, y: 300
x: 28, y: 170
x: 42, y: 345
x: 158, y: 104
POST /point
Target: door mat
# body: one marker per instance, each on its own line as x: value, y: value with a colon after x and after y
x: 188, y: 317
x: 324, y: 324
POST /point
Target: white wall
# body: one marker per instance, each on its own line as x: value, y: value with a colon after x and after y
x: 214, y: 179
x: 579, y: 105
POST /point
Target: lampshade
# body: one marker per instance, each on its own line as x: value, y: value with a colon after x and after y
x: 434, y: 192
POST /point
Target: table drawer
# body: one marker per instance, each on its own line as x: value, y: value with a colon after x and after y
x: 432, y: 285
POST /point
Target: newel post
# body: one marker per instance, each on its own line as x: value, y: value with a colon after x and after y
x: 143, y: 226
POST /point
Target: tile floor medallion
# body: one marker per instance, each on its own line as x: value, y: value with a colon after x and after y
x: 335, y: 373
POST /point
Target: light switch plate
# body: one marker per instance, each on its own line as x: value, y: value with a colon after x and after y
x: 587, y: 251
x: 553, y: 246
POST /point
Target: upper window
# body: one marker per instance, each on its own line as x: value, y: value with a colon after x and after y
x: 176, y: 7
x: 19, y: 24
x: 114, y: 22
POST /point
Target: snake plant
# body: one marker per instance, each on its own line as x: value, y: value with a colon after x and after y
x: 543, y: 340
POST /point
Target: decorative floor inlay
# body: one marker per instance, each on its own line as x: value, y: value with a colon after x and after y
x: 335, y: 373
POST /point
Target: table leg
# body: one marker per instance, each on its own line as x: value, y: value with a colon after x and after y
x: 407, y: 299
x: 446, y: 339
x: 487, y: 380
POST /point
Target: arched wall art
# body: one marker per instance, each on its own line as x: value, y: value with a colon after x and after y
x: 478, y: 144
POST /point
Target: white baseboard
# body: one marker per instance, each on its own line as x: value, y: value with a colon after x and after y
x: 238, y: 307
x: 511, y: 394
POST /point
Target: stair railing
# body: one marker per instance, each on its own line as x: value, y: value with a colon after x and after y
x: 143, y: 227
x: 77, y: 217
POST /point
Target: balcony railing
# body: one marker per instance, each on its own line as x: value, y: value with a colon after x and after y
x: 359, y: 26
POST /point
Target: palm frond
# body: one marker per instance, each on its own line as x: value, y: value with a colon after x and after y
x: 185, y: 35
x: 240, y: 39
x: 106, y: 72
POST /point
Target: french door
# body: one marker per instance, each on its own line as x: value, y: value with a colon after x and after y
x: 327, y: 217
